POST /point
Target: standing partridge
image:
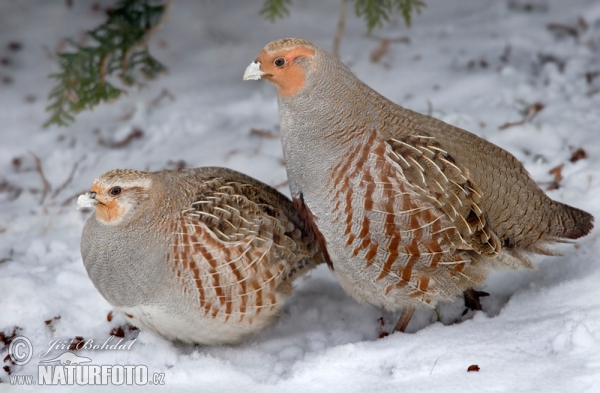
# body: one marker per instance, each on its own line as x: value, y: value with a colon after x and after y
x: 202, y: 255
x: 408, y: 210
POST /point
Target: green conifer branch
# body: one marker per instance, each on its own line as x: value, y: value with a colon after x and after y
x: 118, y: 48
x: 375, y: 12
x: 408, y: 7
x: 273, y: 9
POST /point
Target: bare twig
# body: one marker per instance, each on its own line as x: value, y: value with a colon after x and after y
x: 135, y: 133
x: 381, y: 50
x: 530, y: 113
x: 13, y: 191
x: 69, y: 179
x: 263, y: 133
x: 384, y: 46
x: 179, y: 164
x: 593, y: 92
x: 561, y: 30
x: 282, y: 184
x: 9, y: 257
x: 429, y: 108
x: 340, y: 30
x: 436, y: 360
x: 49, y: 54
x: 164, y: 93
x: 550, y: 58
x: 401, y: 39
x: 231, y: 153
x: 505, y: 57
x: 590, y: 76
x: 73, y: 197
x: 128, y: 115
x: 46, y: 185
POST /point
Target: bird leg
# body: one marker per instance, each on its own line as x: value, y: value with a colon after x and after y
x: 472, y: 301
x: 407, y: 314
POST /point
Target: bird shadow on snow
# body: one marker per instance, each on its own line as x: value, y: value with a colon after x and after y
x: 574, y: 263
x: 320, y: 315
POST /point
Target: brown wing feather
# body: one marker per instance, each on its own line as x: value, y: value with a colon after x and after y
x: 441, y: 181
x: 237, y: 251
x: 407, y: 243
x: 309, y: 219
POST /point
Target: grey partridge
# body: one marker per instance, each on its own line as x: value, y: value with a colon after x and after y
x: 409, y: 210
x: 203, y: 256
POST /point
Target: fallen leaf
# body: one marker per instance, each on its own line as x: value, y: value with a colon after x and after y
x: 578, y: 154
x: 557, y: 172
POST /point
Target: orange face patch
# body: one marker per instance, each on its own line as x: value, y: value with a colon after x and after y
x: 107, y: 211
x: 288, y: 78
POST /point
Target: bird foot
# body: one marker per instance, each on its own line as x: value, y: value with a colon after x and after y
x: 472, y: 300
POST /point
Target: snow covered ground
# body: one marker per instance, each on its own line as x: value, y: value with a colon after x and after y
x: 475, y: 64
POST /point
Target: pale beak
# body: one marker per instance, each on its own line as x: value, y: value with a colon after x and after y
x: 253, y: 72
x: 87, y: 200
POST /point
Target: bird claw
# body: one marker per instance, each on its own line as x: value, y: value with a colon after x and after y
x: 472, y: 299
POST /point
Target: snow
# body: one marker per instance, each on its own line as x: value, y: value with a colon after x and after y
x: 539, y: 331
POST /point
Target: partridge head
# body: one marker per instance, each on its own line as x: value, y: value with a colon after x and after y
x: 203, y: 255
x: 408, y: 210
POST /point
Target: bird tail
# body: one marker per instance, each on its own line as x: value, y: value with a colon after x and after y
x: 567, y: 223
x: 303, y: 266
x: 571, y: 223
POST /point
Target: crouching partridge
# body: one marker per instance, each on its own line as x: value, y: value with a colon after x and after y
x: 409, y: 210
x: 202, y: 255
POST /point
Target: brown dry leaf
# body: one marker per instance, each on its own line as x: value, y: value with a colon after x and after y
x: 472, y: 368
x: 76, y: 344
x: 533, y: 109
x: 117, y: 332
x: 49, y: 321
x: 557, y: 172
x: 7, y: 338
x: 578, y: 154
x: 109, y: 316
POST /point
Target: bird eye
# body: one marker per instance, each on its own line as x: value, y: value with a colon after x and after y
x: 115, y: 191
x: 280, y: 61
